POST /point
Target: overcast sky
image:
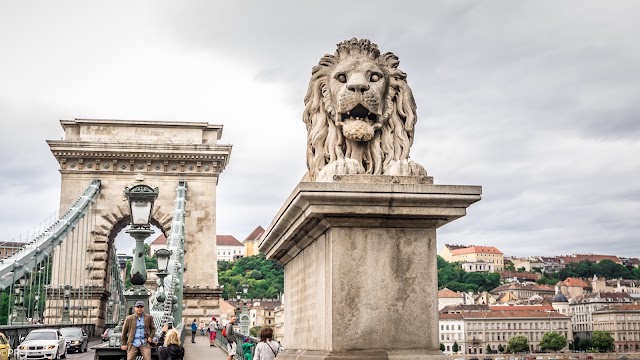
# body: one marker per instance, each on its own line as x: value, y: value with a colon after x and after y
x: 537, y: 101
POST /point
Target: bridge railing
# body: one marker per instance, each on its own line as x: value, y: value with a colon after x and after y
x: 15, y: 332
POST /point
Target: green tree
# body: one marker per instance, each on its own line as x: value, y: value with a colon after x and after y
x: 518, y: 344
x: 489, y: 350
x: 441, y: 347
x: 455, y: 348
x: 553, y: 341
x: 602, y: 340
x: 585, y: 344
x: 255, y: 331
x: 500, y: 348
x: 264, y: 277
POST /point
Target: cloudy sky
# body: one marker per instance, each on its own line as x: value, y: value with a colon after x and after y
x: 537, y: 101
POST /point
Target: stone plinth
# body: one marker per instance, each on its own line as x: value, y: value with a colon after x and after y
x: 360, y: 265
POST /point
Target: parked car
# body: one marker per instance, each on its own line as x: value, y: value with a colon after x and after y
x: 77, y: 340
x: 4, y: 347
x: 539, y: 357
x: 42, y: 344
x: 106, y: 334
x: 623, y: 357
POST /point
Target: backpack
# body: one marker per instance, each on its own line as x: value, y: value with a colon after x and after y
x: 224, y: 331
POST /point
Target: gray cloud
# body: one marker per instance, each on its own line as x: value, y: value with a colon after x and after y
x: 536, y: 101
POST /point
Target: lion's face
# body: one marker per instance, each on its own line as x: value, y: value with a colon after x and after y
x: 358, y: 87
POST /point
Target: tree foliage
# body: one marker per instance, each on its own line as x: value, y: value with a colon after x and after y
x: 518, y: 343
x: 602, y: 340
x: 441, y: 347
x: 500, y: 348
x: 453, y: 277
x: 264, y: 277
x: 553, y: 341
x: 455, y: 348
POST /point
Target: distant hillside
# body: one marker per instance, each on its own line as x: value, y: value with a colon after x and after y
x: 264, y: 277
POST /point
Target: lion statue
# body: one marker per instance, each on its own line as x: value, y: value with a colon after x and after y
x: 360, y: 115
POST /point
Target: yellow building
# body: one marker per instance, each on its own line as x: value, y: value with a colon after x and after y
x: 251, y: 242
x: 471, y: 254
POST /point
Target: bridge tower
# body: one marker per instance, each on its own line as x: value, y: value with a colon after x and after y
x: 116, y: 152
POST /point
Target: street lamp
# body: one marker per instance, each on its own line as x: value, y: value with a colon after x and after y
x: 141, y: 198
x: 163, y: 256
x: 244, y: 316
x: 110, y: 311
x: 36, y: 312
x: 65, y: 311
x: 18, y: 315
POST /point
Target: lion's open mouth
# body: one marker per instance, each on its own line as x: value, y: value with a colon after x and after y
x: 359, y: 113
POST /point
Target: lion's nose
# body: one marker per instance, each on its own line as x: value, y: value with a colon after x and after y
x: 358, y: 87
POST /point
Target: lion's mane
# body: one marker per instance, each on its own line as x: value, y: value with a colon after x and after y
x: 325, y: 140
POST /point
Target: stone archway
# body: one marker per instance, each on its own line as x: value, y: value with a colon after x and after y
x: 164, y: 153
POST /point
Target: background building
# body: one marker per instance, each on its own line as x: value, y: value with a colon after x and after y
x: 251, y: 242
x: 582, y: 307
x: 623, y: 322
x: 229, y: 248
x: 472, y: 254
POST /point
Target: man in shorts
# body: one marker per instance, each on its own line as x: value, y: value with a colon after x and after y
x: 231, y: 339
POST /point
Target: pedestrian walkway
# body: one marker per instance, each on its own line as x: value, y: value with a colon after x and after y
x: 202, y: 350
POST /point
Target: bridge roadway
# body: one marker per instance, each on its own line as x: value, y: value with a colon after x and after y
x: 201, y: 349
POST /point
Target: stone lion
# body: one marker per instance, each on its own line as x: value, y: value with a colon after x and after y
x: 360, y: 115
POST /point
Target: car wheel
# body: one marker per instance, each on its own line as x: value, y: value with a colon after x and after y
x: 64, y: 354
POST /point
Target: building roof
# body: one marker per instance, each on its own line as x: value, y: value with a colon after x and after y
x: 510, y: 314
x: 541, y: 307
x: 227, y: 240
x: 160, y: 240
x: 574, y: 258
x: 520, y: 275
x: 452, y: 309
x: 446, y: 293
x: 575, y: 282
x: 560, y: 297
x: 516, y: 287
x: 602, y: 297
x: 476, y: 249
x: 619, y: 308
x: 255, y: 234
x: 450, y: 316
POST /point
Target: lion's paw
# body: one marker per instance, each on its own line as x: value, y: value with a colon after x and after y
x: 404, y: 168
x: 345, y: 166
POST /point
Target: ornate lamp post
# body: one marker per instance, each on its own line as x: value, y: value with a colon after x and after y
x: 141, y: 198
x: 65, y: 310
x: 110, y: 311
x: 18, y: 308
x: 36, y: 312
x: 163, y: 256
x: 243, y: 318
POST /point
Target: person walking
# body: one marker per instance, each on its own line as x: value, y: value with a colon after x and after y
x: 201, y: 327
x: 194, y: 330
x: 172, y: 350
x: 137, y: 330
x: 213, y: 327
x: 231, y: 338
x: 267, y: 349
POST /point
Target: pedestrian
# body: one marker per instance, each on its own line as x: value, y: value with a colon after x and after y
x: 213, y: 326
x: 201, y: 327
x: 137, y: 331
x: 247, y: 349
x: 194, y: 330
x: 231, y: 338
x: 172, y: 350
x: 267, y: 349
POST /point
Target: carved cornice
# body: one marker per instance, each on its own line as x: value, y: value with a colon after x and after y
x: 101, y: 158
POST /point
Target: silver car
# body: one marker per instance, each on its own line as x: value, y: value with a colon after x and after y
x: 42, y: 344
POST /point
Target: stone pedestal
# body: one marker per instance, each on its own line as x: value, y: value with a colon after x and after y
x: 360, y: 265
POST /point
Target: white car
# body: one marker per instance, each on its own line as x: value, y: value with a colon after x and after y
x: 42, y: 344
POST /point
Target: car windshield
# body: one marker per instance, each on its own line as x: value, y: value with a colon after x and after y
x: 71, y: 332
x: 41, y: 335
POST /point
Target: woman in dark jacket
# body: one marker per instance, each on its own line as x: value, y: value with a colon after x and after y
x: 171, y: 349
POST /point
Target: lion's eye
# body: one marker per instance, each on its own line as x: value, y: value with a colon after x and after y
x: 374, y: 77
x: 342, y: 78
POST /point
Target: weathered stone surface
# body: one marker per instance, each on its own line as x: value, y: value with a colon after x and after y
x: 358, y: 255
x: 116, y: 152
x: 360, y: 115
